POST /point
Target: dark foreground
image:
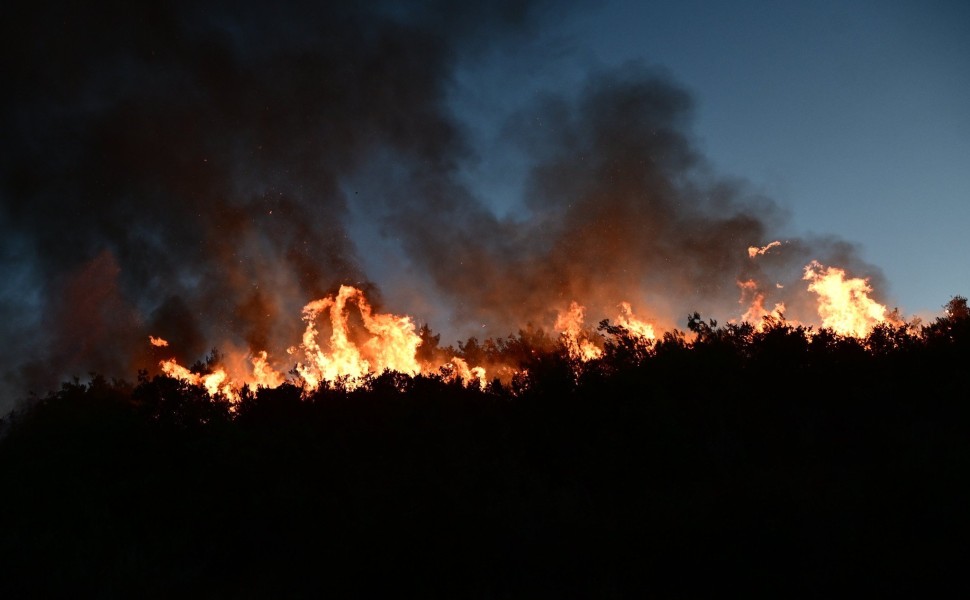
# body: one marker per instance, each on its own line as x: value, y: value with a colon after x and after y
x: 772, y: 465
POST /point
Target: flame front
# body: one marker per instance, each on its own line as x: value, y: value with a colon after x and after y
x: 362, y: 342
x: 390, y: 343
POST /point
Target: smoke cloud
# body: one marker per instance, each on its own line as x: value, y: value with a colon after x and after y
x: 185, y: 170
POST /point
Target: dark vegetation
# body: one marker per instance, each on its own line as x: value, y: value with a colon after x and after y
x: 771, y: 461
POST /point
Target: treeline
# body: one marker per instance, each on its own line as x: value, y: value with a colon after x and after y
x: 769, y: 461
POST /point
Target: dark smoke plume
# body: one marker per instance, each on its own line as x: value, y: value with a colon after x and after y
x: 175, y: 168
x: 181, y: 170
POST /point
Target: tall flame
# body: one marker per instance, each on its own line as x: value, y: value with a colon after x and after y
x: 634, y: 325
x: 569, y: 323
x: 263, y: 373
x: 844, y: 304
x: 392, y: 344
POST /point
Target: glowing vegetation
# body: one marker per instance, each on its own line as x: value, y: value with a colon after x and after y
x: 345, y: 341
x: 354, y: 354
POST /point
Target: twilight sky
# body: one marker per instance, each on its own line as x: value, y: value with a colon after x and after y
x: 201, y: 170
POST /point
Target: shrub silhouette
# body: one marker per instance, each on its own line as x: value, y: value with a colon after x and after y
x: 780, y: 460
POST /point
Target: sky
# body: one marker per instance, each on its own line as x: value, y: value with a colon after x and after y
x: 201, y: 170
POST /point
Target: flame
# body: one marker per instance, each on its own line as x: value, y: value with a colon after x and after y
x: 362, y: 342
x: 755, y: 251
x: 844, y: 304
x: 634, y: 325
x: 458, y: 369
x: 570, y: 325
x: 215, y: 383
x: 755, y: 299
x: 392, y: 345
x: 263, y: 373
x: 157, y: 341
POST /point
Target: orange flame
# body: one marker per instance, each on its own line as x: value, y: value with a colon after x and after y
x: 755, y: 251
x: 570, y: 324
x: 756, y: 312
x: 157, y: 341
x: 363, y: 342
x: 634, y: 325
x: 392, y: 346
x: 391, y: 343
x: 458, y: 369
x: 844, y: 304
x: 215, y: 383
x: 264, y: 374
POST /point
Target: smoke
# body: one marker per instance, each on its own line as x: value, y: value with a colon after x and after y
x: 619, y: 206
x: 182, y: 170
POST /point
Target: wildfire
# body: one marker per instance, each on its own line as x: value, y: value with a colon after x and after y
x: 459, y: 370
x: 388, y: 342
x: 392, y: 344
x: 263, y: 373
x: 844, y: 304
x: 570, y: 324
x: 755, y: 300
x: 634, y: 325
x: 215, y: 383
x: 345, y: 341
